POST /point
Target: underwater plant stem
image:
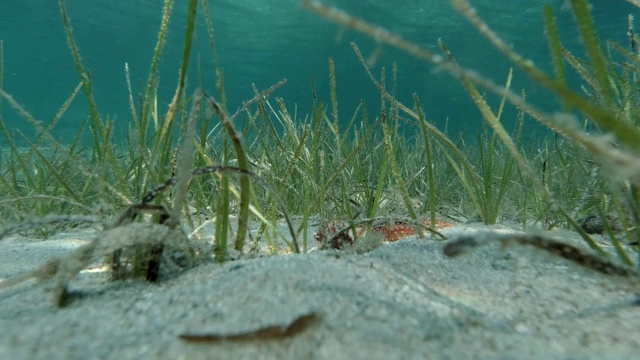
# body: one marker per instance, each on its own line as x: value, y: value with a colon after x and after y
x: 96, y: 122
x: 188, y: 41
x: 391, y: 156
x: 144, y: 116
x: 430, y: 169
x: 185, y: 162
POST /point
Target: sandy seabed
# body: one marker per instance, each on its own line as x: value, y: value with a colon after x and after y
x: 403, y: 300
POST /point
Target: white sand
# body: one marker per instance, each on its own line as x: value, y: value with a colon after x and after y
x: 400, y: 301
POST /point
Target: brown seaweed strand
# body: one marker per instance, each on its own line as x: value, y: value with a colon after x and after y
x: 467, y: 243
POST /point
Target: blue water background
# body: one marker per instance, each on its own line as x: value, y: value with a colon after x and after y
x: 263, y: 41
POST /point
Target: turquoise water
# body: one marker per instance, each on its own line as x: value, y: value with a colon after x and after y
x: 263, y: 41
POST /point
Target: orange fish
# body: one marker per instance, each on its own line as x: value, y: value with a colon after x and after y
x: 336, y: 233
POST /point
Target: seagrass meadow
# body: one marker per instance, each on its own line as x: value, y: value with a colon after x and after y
x: 239, y: 159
